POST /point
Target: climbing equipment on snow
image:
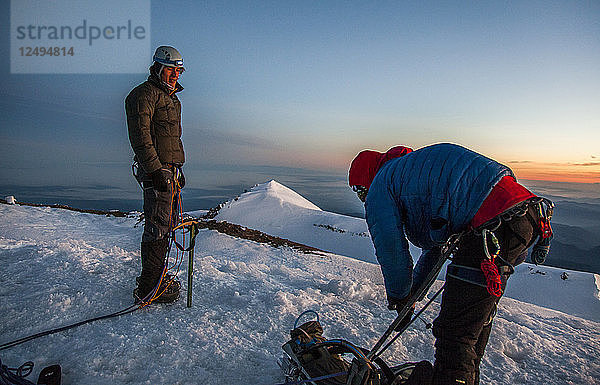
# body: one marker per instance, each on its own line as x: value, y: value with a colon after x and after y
x: 192, y: 226
x: 310, y: 358
x: 50, y: 375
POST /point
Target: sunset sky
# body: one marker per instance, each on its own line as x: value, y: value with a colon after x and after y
x: 309, y: 84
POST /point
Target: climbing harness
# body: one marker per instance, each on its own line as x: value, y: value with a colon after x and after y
x: 544, y: 209
x: 492, y: 273
x: 488, y: 265
x: 473, y: 275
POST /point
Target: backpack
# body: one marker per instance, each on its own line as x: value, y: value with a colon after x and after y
x: 320, y: 357
x: 316, y: 358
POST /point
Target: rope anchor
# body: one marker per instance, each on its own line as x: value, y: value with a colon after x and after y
x: 192, y: 227
x: 193, y: 233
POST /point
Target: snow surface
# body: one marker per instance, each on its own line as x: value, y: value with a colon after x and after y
x: 262, y: 208
x: 60, y: 267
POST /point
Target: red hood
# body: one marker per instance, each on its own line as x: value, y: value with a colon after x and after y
x: 366, y: 164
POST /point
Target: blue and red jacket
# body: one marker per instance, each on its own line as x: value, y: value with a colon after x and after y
x: 425, y: 196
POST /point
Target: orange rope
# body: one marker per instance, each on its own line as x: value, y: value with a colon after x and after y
x: 175, y: 194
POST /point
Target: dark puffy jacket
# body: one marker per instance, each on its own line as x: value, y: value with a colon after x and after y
x: 154, y: 124
x: 425, y: 196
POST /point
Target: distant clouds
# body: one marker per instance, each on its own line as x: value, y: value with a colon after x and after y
x: 581, y: 192
x: 578, y: 172
x: 520, y: 161
x: 587, y: 164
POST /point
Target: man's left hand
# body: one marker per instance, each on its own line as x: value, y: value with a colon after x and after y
x: 399, y: 304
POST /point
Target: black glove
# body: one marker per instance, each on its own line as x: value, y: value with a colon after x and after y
x: 181, y: 179
x: 160, y: 182
x: 399, y: 304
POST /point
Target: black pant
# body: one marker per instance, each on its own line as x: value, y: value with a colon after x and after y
x: 160, y: 208
x: 463, y: 326
x: 160, y: 216
x: 462, y: 330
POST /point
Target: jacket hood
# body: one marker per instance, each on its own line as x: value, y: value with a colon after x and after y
x: 365, y: 165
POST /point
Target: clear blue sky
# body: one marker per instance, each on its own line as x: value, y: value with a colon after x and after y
x: 309, y: 84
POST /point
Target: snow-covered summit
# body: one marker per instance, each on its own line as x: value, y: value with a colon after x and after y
x: 271, y: 194
x: 277, y: 210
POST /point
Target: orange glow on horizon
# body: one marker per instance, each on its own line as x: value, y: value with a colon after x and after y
x: 570, y: 172
x: 557, y: 172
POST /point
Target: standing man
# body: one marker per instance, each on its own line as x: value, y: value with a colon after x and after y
x: 154, y: 124
x: 426, y: 196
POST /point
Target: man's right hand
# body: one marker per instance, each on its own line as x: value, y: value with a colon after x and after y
x: 160, y: 182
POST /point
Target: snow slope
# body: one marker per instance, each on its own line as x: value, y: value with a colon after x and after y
x: 288, y: 215
x: 59, y: 267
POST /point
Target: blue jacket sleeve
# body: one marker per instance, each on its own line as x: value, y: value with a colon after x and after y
x: 391, y: 247
x: 425, y: 265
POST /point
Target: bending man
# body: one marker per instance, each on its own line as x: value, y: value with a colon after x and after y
x: 426, y: 196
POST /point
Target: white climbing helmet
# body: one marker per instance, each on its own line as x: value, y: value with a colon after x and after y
x: 168, y: 56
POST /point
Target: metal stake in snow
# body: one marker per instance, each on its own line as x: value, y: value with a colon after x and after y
x: 193, y: 233
x: 192, y: 226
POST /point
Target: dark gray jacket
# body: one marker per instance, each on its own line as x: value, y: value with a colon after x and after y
x: 154, y: 124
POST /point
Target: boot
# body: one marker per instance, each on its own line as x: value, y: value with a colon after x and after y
x: 452, y: 377
x: 416, y: 373
x: 422, y: 374
x: 169, y: 292
x: 153, y: 258
x: 168, y: 278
